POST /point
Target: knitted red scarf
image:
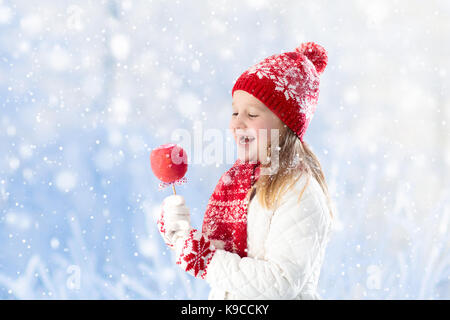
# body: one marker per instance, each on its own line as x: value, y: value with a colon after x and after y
x: 226, y: 213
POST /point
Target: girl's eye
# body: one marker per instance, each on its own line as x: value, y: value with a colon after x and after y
x: 250, y: 115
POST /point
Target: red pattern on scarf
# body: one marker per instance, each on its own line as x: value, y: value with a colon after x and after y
x: 226, y: 213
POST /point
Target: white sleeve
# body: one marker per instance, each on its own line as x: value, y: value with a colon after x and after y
x: 298, y: 233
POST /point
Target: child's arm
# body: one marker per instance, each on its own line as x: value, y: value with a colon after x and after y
x: 297, y: 235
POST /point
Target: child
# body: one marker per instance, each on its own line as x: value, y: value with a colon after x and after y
x: 264, y: 232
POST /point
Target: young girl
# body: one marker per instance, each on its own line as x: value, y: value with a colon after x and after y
x: 265, y: 231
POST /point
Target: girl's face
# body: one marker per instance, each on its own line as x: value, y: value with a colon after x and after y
x: 253, y: 125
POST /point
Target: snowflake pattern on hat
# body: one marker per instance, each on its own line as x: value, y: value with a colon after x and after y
x: 284, y: 73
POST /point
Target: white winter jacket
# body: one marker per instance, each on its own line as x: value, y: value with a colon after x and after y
x: 285, y: 246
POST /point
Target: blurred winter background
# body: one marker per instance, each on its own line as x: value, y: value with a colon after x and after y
x: 88, y: 88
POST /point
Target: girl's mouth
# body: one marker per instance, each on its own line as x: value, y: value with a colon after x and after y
x: 245, y: 140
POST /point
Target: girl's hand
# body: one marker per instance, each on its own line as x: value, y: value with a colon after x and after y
x: 193, y: 250
x: 194, y: 253
x: 174, y: 220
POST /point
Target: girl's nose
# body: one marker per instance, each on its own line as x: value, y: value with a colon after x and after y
x: 237, y: 122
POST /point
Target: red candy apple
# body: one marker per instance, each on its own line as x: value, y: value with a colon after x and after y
x: 169, y: 162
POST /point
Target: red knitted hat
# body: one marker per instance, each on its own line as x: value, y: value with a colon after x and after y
x: 288, y: 84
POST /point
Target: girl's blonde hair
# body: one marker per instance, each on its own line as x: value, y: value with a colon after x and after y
x: 295, y: 160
